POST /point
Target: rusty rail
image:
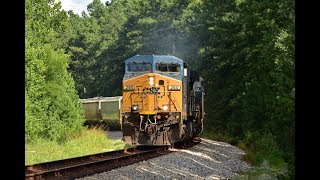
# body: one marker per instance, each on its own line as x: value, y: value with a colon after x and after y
x: 91, y: 164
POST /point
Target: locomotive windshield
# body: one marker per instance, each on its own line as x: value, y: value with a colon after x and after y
x: 168, y: 67
x: 139, y: 67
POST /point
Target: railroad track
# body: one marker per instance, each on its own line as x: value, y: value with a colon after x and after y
x: 87, y: 165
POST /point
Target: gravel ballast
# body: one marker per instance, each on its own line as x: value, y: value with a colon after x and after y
x: 115, y: 135
x: 207, y: 160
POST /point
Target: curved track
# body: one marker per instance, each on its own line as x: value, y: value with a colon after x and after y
x: 96, y: 163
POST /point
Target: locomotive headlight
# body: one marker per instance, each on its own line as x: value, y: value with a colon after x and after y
x: 151, y: 81
x: 135, y: 107
x: 165, y: 107
x: 128, y: 88
x: 174, y: 88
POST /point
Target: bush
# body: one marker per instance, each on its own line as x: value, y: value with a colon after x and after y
x: 262, y: 142
x: 52, y: 105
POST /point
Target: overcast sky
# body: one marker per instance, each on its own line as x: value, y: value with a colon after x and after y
x: 77, y: 6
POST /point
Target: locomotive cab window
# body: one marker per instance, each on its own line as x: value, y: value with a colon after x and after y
x: 139, y: 67
x: 168, y: 67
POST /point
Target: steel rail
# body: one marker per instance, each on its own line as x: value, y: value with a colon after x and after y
x: 91, y: 164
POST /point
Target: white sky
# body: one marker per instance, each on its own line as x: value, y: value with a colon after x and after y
x: 77, y: 6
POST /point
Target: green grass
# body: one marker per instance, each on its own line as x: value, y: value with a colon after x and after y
x: 272, y: 156
x: 87, y: 142
x: 219, y: 137
x: 251, y: 157
x: 274, y: 159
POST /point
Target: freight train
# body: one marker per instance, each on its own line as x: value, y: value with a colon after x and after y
x: 162, y: 101
x: 103, y: 112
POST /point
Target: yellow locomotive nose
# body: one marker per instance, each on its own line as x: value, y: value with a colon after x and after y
x: 152, y: 93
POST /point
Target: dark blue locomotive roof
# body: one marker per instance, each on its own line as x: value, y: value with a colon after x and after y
x: 150, y: 64
x: 154, y: 58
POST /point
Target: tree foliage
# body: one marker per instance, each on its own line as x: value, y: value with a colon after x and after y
x: 244, y: 49
x: 52, y: 104
x: 247, y: 59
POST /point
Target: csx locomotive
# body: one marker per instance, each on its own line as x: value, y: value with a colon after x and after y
x: 163, y: 101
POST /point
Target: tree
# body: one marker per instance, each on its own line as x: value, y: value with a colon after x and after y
x: 52, y: 105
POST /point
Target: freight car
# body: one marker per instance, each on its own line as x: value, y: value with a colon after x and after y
x: 163, y: 101
x: 103, y: 112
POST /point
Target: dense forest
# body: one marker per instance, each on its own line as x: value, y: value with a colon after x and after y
x: 244, y: 50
